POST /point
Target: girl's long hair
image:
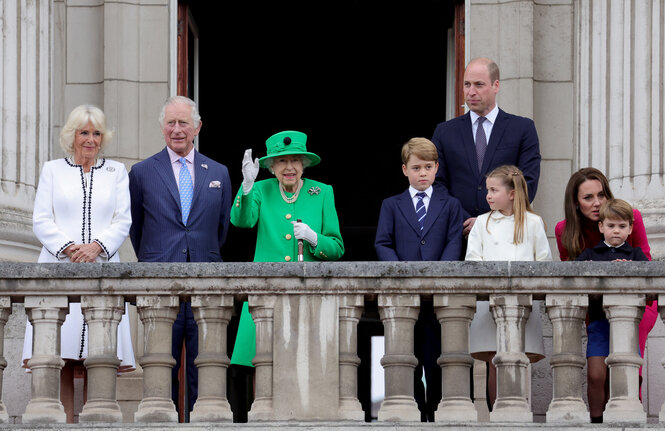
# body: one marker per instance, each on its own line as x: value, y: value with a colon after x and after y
x: 572, y: 237
x: 513, y: 179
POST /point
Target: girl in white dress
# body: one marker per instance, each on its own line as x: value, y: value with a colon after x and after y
x: 82, y: 214
x: 510, y: 231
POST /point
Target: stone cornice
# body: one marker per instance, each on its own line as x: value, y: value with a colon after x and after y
x: 330, y: 278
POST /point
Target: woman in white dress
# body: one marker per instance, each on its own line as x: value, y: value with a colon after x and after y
x: 82, y: 214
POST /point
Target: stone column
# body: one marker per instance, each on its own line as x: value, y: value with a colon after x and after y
x: 212, y: 314
x: 46, y: 313
x: 102, y: 314
x: 399, y: 314
x: 511, y: 313
x: 157, y: 314
x: 350, y: 310
x: 661, y: 309
x: 26, y: 109
x: 620, y: 107
x: 624, y: 313
x: 567, y: 313
x: 455, y: 313
x: 5, y: 311
x: 263, y: 310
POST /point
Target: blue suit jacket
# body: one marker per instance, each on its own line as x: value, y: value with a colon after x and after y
x: 513, y: 141
x: 157, y: 232
x: 398, y: 235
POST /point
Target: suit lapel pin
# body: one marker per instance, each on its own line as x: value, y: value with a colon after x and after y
x: 110, y: 168
x: 314, y: 190
x: 204, y: 166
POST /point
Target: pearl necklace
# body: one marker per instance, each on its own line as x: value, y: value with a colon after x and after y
x: 293, y: 198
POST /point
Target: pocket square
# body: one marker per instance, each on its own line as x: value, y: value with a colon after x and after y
x: 215, y: 184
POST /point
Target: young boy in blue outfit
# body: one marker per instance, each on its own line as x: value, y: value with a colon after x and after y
x: 422, y: 223
x: 616, y: 223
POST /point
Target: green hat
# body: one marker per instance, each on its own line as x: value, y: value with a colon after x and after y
x: 287, y: 143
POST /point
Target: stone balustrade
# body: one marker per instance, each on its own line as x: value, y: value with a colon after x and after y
x: 306, y: 317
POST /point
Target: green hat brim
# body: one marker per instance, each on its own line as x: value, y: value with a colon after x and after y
x: 313, y: 158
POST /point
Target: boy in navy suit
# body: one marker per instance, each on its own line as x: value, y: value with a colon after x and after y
x: 616, y: 223
x: 422, y: 223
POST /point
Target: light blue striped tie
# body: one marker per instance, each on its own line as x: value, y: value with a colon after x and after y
x: 421, y: 212
x: 186, y: 190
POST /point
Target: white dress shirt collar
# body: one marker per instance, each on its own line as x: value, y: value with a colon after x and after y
x: 428, y: 191
x: 614, y: 246
x: 491, y: 116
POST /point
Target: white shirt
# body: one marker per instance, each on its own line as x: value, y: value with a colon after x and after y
x: 176, y: 165
x: 488, y: 124
x: 415, y: 199
x: 494, y: 241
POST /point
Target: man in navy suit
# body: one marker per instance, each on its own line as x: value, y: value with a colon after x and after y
x: 467, y: 154
x: 181, y: 201
x: 422, y: 223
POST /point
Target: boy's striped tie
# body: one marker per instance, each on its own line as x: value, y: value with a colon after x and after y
x: 421, y: 212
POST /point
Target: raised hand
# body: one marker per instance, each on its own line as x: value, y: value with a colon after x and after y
x: 249, y: 171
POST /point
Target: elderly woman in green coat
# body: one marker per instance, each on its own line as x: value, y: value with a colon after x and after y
x: 287, y: 209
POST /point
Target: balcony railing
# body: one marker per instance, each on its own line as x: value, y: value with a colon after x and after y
x: 306, y: 317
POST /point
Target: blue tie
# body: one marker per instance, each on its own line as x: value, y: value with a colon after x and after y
x: 421, y: 212
x: 186, y: 190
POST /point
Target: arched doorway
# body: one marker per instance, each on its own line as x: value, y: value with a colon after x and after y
x: 359, y: 77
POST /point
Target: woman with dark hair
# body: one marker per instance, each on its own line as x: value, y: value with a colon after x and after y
x: 586, y: 191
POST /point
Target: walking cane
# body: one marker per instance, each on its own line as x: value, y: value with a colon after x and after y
x: 301, y: 247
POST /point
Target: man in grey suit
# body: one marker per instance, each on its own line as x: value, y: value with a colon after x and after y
x: 181, y: 201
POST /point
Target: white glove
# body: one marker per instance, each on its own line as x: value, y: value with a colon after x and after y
x: 249, y: 171
x: 302, y: 231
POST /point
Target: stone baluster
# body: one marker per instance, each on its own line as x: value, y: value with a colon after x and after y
x: 567, y: 313
x: 102, y: 314
x: 5, y: 311
x: 510, y: 314
x: 455, y: 312
x: 212, y: 314
x: 350, y: 310
x: 399, y: 314
x: 624, y: 313
x: 46, y: 314
x: 263, y: 310
x: 157, y: 314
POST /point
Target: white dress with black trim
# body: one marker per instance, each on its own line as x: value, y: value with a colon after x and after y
x: 72, y: 207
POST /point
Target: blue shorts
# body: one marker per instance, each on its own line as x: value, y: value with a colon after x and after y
x: 598, y: 333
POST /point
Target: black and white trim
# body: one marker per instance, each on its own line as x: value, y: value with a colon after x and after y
x: 105, y: 250
x: 86, y: 227
x: 59, y: 252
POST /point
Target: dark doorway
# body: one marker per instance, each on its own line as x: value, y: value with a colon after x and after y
x: 359, y: 77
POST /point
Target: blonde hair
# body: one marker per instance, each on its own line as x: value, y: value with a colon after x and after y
x: 78, y: 118
x: 422, y: 148
x: 617, y: 209
x: 512, y: 178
